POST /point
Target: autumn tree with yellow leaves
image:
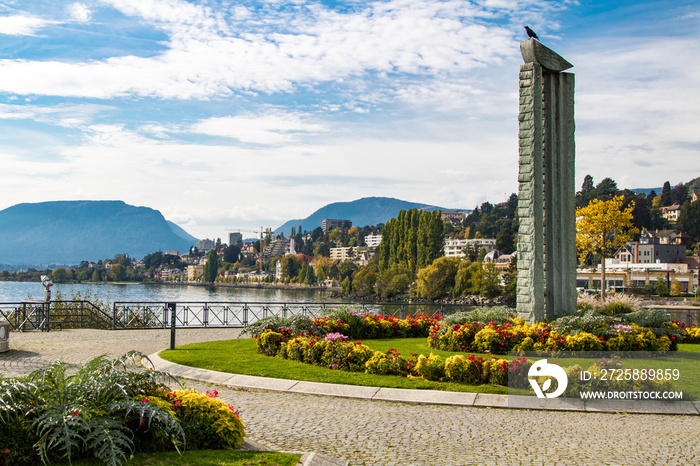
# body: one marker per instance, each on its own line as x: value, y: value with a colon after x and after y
x: 601, y: 228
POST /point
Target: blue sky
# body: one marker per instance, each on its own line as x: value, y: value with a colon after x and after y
x: 244, y: 114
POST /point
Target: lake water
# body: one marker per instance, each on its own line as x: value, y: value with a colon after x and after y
x: 109, y: 293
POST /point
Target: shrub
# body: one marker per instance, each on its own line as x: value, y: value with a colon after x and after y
x: 431, y: 367
x: 635, y: 338
x: 457, y: 338
x: 518, y: 370
x: 692, y: 335
x: 209, y: 423
x: 389, y: 363
x: 583, y: 341
x: 294, y: 325
x: 268, y: 342
x: 620, y: 304
x: 467, y: 370
x: 496, y: 370
x: 588, y: 321
x: 100, y: 411
x: 357, y: 359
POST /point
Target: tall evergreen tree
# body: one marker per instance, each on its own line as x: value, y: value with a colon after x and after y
x: 211, y: 268
x: 666, y: 195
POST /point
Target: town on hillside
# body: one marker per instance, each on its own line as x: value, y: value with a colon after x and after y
x: 431, y: 254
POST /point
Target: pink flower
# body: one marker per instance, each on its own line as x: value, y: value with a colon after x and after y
x: 6, y: 451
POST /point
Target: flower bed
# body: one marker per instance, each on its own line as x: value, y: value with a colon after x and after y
x: 348, y: 322
x: 639, y: 331
x: 336, y: 351
x: 689, y: 334
x: 108, y: 410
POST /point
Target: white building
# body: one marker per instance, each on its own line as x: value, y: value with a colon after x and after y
x: 455, y: 247
x: 372, y: 241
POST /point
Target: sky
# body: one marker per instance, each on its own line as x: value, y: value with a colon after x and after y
x: 242, y: 114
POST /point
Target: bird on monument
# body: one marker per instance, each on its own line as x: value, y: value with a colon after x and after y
x: 530, y: 33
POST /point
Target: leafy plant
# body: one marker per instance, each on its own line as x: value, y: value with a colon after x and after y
x: 97, y: 411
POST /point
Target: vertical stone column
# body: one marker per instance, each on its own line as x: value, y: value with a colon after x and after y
x: 530, y: 286
x: 546, y: 200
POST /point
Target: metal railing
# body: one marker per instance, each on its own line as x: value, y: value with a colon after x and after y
x: 60, y: 314
x: 240, y: 314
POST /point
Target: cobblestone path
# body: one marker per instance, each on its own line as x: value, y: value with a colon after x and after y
x: 385, y: 433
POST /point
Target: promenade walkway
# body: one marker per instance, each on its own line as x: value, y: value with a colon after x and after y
x: 371, y: 432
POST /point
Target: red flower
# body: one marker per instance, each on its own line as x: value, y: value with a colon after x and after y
x: 6, y: 451
x: 76, y: 413
x: 145, y: 400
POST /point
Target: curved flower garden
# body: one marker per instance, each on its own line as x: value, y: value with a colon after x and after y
x: 335, y: 341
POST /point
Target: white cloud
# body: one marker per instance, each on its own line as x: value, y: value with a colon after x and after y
x: 273, y: 128
x: 209, y: 55
x: 66, y: 115
x: 79, y: 12
x: 22, y: 25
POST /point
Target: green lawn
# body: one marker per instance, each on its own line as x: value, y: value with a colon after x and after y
x: 209, y: 458
x: 240, y: 357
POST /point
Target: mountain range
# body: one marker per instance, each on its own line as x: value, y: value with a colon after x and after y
x: 362, y: 212
x: 67, y: 232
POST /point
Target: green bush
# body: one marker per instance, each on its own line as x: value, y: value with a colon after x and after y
x: 268, y: 342
x: 389, y: 363
x: 583, y: 341
x: 431, y: 367
x: 468, y: 370
x: 83, y: 415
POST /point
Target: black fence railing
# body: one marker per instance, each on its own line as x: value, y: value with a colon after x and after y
x: 38, y: 315
x: 60, y: 314
x: 240, y: 314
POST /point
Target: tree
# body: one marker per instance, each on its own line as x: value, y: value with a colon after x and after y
x: 666, y: 199
x: 289, y: 266
x: 61, y: 275
x: 364, y: 280
x: 587, y: 192
x: 211, y: 268
x: 118, y: 272
x: 679, y: 194
x: 689, y: 220
x: 232, y: 253
x: 505, y: 241
x: 437, y: 279
x: 394, y: 281
x: 606, y: 189
x: 601, y: 228
x: 310, y: 278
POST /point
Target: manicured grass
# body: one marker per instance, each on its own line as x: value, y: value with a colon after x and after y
x: 240, y: 357
x: 210, y: 458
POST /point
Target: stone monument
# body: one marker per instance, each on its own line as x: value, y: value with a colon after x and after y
x: 546, y: 194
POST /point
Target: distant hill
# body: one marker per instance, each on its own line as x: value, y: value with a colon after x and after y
x: 182, y: 233
x: 646, y: 191
x: 362, y: 212
x: 67, y: 232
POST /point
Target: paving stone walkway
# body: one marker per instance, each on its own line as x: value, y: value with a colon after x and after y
x: 387, y: 433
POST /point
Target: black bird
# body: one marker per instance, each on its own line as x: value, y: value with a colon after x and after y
x: 530, y: 33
